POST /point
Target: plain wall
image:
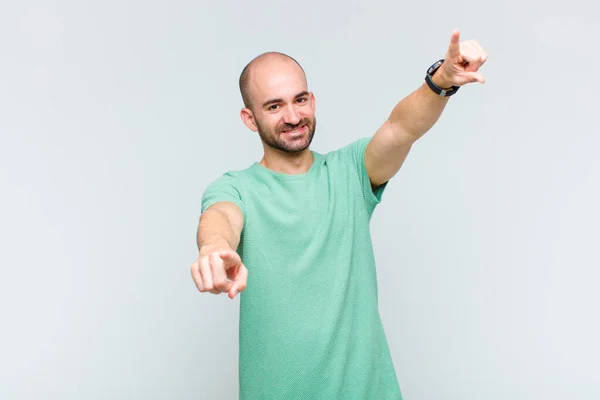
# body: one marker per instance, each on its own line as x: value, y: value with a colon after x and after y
x: 115, y: 115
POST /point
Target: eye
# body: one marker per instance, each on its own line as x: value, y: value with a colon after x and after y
x: 273, y: 107
x: 302, y: 100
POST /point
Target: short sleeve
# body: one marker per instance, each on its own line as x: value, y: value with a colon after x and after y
x: 356, y: 153
x: 226, y: 188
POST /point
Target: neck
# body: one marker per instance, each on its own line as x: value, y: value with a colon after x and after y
x: 286, y: 163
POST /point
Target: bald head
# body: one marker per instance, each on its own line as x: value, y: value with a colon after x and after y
x: 264, y: 64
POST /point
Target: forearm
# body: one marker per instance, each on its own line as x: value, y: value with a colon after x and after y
x: 414, y: 115
x: 215, y: 232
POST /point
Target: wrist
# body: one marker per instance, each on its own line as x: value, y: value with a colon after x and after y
x: 214, y: 247
x: 440, y: 80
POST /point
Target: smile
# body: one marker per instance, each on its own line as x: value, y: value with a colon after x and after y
x: 297, y: 130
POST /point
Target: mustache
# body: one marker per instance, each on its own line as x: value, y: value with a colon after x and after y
x: 289, y: 127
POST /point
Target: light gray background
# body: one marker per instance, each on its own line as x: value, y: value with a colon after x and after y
x: 115, y: 115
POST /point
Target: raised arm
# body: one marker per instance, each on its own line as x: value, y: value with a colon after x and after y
x: 219, y: 268
x: 414, y: 115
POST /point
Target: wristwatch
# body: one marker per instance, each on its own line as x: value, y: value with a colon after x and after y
x: 433, y: 86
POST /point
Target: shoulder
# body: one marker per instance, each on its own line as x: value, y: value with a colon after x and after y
x: 229, y: 186
x: 232, y: 177
x: 352, y: 152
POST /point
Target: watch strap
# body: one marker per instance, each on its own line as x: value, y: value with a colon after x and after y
x: 438, y: 90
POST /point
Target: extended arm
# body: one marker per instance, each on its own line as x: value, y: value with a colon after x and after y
x: 414, y: 115
x: 219, y: 268
x: 220, y: 228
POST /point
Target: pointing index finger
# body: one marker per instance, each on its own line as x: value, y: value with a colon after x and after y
x: 454, y: 48
x: 230, y: 257
x: 219, y: 275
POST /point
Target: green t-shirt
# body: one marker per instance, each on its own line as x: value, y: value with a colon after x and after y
x: 309, y: 320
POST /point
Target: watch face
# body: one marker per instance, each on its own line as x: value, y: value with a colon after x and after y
x: 434, y: 67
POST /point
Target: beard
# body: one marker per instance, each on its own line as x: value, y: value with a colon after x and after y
x: 277, y: 139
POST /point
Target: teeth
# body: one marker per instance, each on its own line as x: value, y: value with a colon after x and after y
x: 295, y: 130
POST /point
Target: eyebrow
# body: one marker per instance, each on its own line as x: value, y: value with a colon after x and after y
x: 273, y: 101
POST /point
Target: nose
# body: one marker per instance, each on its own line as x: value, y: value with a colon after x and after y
x: 292, y: 116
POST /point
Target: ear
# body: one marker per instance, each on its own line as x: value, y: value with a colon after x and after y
x: 248, y: 119
x: 312, y: 101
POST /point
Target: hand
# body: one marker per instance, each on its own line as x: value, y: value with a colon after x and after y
x: 219, y: 272
x: 462, y: 63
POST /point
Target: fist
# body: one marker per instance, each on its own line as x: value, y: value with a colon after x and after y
x: 220, y: 272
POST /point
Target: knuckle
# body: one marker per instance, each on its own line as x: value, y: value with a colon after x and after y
x: 214, y: 264
x: 217, y: 282
x: 220, y: 284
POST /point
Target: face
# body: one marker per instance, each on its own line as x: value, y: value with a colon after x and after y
x: 283, y: 111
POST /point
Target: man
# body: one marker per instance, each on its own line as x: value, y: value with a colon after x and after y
x: 309, y: 321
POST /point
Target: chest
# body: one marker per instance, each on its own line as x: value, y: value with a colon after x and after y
x: 295, y: 212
